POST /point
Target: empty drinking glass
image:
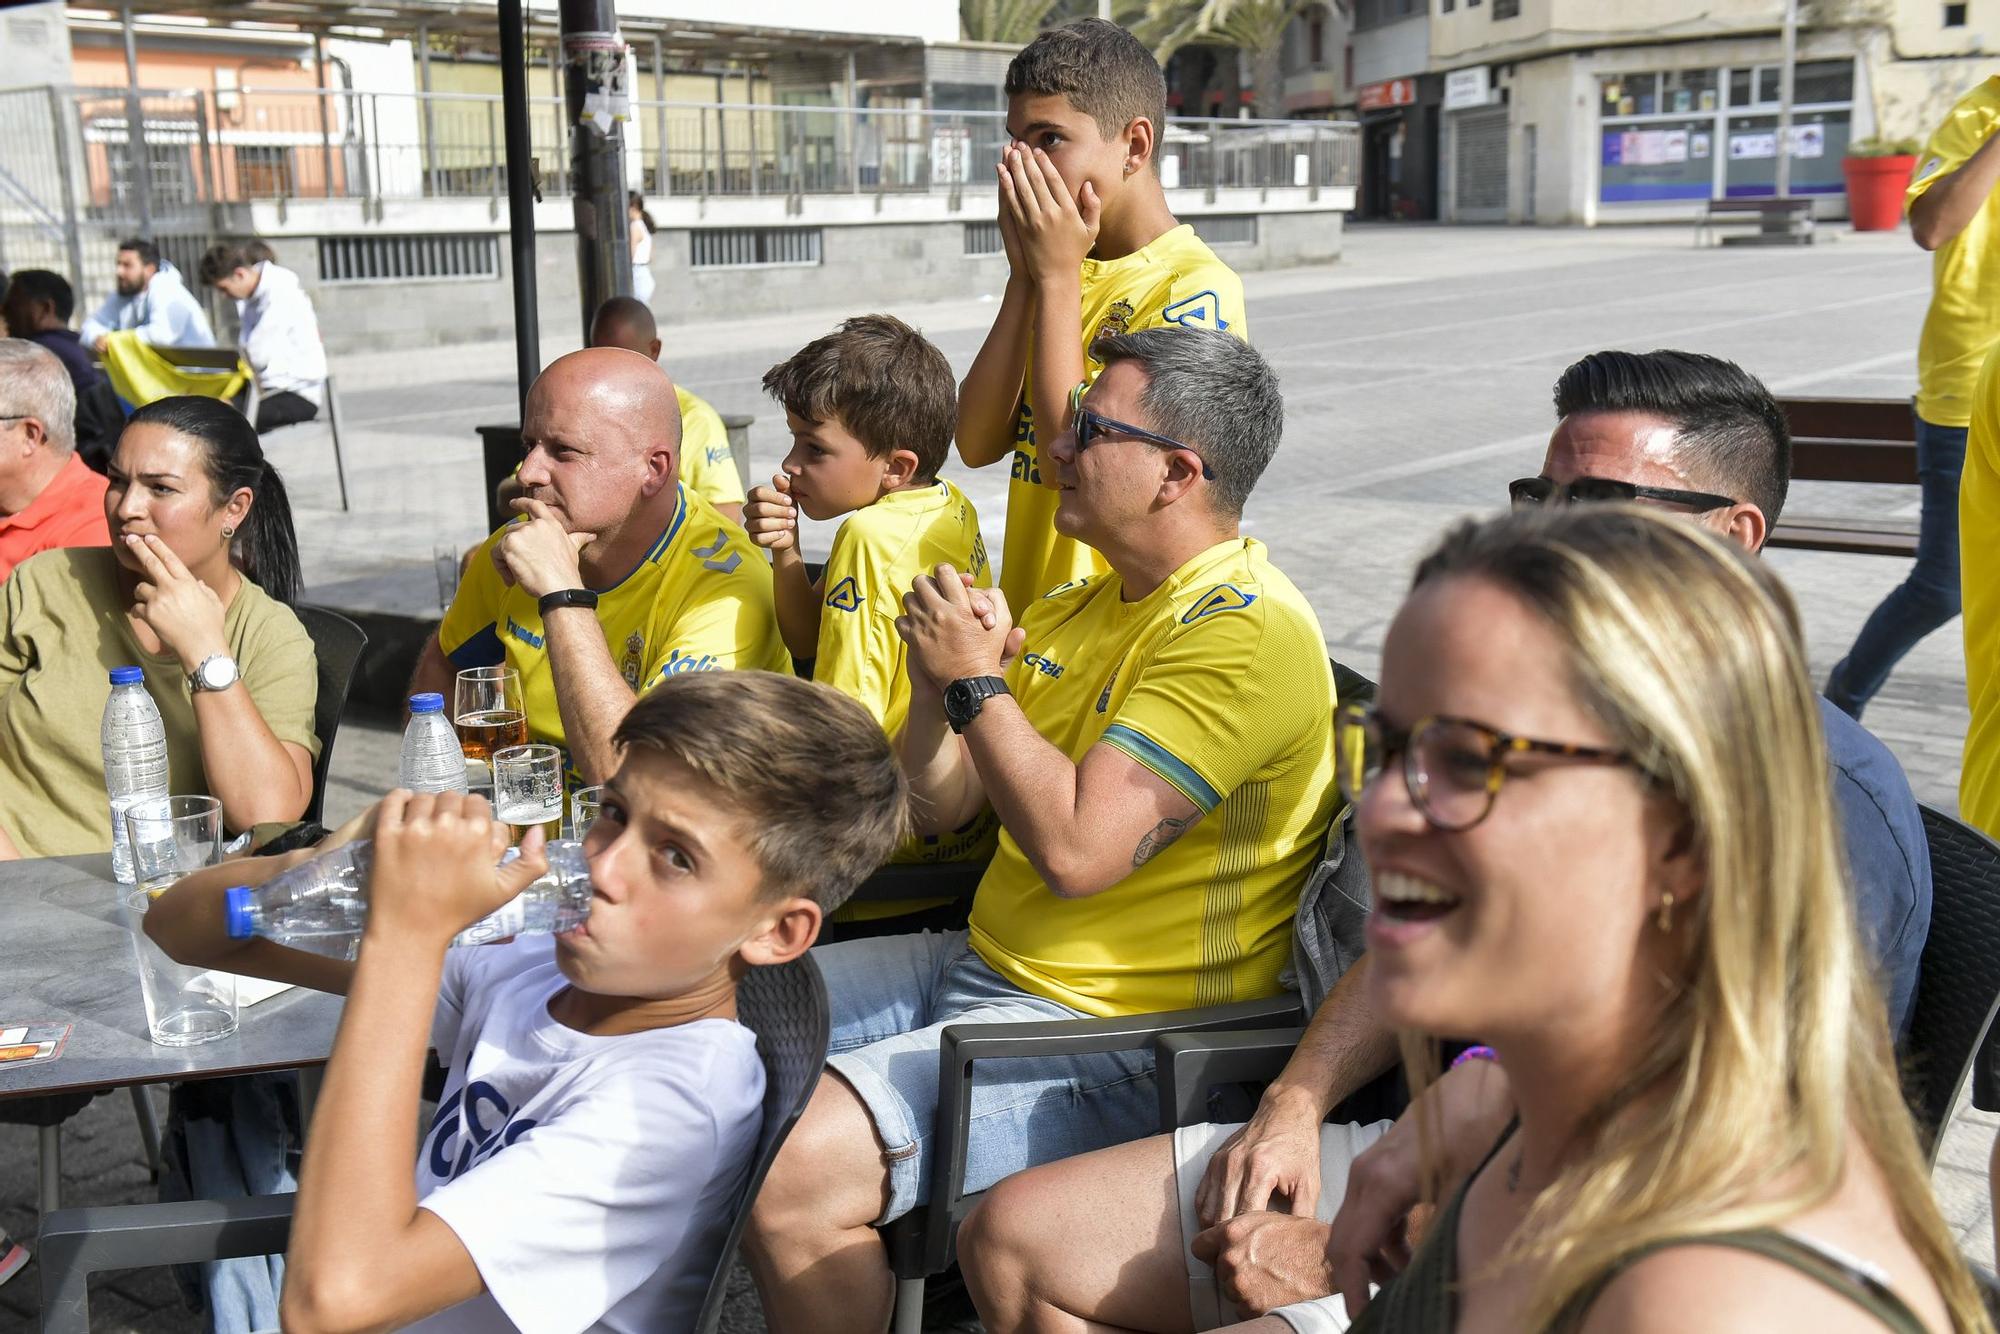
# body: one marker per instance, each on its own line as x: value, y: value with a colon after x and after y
x: 171, y: 836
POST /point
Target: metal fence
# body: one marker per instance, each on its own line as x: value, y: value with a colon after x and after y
x: 201, y: 147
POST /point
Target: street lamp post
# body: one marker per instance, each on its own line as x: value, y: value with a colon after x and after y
x: 598, y: 104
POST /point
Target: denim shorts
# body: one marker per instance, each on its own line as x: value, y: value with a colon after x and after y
x: 891, y: 996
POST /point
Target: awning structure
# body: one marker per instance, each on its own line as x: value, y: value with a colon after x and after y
x: 504, y: 31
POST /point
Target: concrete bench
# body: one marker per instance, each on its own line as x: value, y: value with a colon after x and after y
x: 1780, y: 221
x: 1872, y: 441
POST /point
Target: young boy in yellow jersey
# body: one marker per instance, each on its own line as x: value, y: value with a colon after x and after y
x: 1088, y: 231
x: 870, y: 408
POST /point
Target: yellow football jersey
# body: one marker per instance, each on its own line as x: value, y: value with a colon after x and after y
x: 1964, y: 317
x: 1175, y: 280
x: 708, y: 468
x: 1979, y: 578
x: 877, y: 554
x: 699, y: 601
x: 1218, y: 682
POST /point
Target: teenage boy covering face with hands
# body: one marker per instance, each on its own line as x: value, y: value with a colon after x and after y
x: 601, y: 1103
x: 1092, y: 251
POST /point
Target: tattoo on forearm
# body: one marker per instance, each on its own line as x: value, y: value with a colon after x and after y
x: 1156, y: 839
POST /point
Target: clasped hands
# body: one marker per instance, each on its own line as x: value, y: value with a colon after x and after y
x: 954, y: 630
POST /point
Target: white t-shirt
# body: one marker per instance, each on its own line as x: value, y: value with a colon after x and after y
x: 590, y: 1178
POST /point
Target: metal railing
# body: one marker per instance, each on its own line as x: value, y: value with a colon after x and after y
x: 206, y: 147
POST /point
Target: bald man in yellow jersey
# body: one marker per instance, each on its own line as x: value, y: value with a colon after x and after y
x: 1092, y: 251
x: 1157, y: 742
x: 614, y: 575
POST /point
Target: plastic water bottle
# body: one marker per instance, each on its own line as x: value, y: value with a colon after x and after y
x: 432, y: 760
x: 322, y: 905
x: 135, y: 757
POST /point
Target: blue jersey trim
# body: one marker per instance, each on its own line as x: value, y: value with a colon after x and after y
x: 1164, y: 763
x: 483, y: 649
x: 659, y: 547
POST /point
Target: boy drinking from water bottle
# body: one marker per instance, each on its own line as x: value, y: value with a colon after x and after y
x: 601, y: 1102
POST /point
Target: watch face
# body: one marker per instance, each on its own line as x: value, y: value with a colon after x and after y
x: 218, y: 673
x: 959, y: 701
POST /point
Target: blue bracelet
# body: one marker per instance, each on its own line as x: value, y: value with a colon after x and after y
x: 1474, y: 1054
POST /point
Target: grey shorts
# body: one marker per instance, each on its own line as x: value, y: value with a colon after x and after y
x: 1339, y: 1146
x: 892, y: 995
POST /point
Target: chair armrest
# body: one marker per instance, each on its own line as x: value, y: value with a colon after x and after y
x: 959, y: 1045
x: 75, y: 1243
x: 921, y: 880
x: 1188, y: 1065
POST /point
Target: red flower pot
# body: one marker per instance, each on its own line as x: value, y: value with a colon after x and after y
x: 1875, y: 187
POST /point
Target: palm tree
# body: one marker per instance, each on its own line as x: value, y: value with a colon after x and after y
x: 1013, y: 21
x: 1255, y: 26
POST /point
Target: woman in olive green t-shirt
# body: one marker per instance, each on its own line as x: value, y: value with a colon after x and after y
x: 194, y: 590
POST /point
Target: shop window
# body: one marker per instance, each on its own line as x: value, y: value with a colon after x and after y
x: 1823, y: 81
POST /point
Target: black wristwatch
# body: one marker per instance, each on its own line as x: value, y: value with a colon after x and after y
x: 965, y: 697
x: 565, y: 597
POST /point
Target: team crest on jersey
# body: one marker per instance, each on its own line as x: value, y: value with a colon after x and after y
x: 1117, y: 320
x: 1223, y: 597
x: 846, y: 596
x: 1203, y: 310
x: 635, y: 658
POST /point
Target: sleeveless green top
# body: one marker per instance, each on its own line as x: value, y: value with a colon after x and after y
x: 1423, y: 1298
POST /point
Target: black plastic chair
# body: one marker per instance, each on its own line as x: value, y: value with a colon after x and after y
x: 1958, y: 982
x: 922, y: 1243
x: 784, y: 1005
x: 337, y: 645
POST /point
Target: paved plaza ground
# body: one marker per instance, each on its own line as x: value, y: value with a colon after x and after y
x: 1417, y: 375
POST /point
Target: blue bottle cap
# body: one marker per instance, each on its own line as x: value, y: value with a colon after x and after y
x: 127, y: 676
x: 429, y: 702
x: 236, y: 912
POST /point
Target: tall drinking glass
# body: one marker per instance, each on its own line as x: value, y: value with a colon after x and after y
x: 489, y: 716
x: 170, y: 837
x: 528, y: 790
x: 583, y: 809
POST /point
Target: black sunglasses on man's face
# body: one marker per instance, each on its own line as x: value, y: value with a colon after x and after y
x: 1530, y: 491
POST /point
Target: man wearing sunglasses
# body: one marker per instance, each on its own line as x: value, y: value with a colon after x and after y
x: 1157, y: 742
x: 1702, y: 437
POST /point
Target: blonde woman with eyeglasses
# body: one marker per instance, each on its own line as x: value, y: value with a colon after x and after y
x: 1594, y: 797
x: 1593, y: 793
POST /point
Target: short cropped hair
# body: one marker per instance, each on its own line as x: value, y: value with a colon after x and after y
x: 887, y: 384
x: 1104, y: 71
x: 43, y: 285
x: 226, y: 257
x: 807, y: 770
x: 34, y: 383
x: 1730, y: 435
x: 620, y: 315
x: 1214, y: 393
x: 148, y: 253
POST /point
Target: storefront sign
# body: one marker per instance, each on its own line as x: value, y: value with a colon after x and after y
x: 1388, y: 93
x: 1468, y: 87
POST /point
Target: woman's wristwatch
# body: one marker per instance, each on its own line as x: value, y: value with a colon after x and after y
x: 215, y: 672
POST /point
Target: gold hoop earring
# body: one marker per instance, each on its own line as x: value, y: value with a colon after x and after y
x: 1665, y: 921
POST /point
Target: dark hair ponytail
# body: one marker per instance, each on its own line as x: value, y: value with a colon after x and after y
x: 267, y: 544
x: 633, y: 199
